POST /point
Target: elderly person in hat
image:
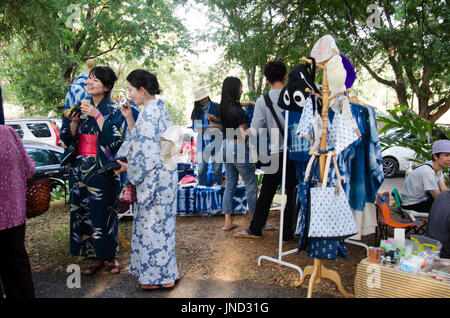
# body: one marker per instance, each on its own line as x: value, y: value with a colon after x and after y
x: 426, y: 181
x: 206, y: 122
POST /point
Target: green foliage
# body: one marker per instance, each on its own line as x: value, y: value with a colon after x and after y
x: 60, y: 189
x: 44, y: 52
x: 424, y: 132
x: 410, y: 41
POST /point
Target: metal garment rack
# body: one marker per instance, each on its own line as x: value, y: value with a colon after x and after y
x: 283, y: 185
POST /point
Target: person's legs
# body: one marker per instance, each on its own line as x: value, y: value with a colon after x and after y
x: 232, y: 179
x: 203, y: 156
x: 269, y: 187
x: 202, y: 170
x: 217, y: 167
x: 15, y: 269
x: 247, y: 171
x: 424, y: 206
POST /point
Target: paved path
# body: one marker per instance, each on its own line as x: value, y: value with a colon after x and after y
x: 391, y: 183
x: 124, y: 285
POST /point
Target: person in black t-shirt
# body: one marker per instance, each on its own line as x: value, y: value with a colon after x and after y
x: 235, y: 149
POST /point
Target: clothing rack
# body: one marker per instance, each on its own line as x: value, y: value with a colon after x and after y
x: 283, y: 204
x: 318, y: 270
x: 353, y: 100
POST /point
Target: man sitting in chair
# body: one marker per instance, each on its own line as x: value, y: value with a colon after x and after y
x: 426, y: 181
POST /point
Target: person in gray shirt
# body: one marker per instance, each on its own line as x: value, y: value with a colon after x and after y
x: 276, y: 75
x: 425, y: 182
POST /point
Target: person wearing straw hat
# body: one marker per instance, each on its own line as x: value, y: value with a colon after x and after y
x: 206, y: 122
x: 426, y: 181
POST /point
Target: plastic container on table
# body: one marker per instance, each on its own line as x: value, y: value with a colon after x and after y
x: 426, y: 242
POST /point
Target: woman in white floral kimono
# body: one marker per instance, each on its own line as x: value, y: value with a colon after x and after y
x: 153, y: 242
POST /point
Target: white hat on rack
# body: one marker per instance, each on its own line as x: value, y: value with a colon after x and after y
x: 201, y: 93
x: 324, y: 49
x: 336, y: 75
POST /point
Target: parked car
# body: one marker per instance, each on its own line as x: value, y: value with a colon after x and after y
x: 396, y: 159
x: 47, y: 159
x: 37, y: 129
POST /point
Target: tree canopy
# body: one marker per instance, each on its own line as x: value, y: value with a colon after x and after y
x: 406, y: 37
x: 46, y: 41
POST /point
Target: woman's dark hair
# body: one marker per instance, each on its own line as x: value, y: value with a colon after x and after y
x: 106, y: 75
x: 142, y: 78
x: 230, y: 95
x: 197, y: 108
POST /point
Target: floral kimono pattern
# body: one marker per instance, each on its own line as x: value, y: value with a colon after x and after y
x: 93, y: 196
x: 153, y: 258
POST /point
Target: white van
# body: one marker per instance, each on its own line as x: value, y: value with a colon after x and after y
x: 37, y: 129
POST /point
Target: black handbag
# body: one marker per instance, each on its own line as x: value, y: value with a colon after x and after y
x: 70, y: 153
x: 112, y: 166
x: 293, y: 95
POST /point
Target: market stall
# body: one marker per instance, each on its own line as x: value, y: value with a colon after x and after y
x: 402, y: 268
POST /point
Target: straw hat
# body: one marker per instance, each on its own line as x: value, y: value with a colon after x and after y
x: 200, y: 93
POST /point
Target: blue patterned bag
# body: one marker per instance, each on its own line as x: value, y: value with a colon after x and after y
x: 302, y: 199
x: 330, y: 214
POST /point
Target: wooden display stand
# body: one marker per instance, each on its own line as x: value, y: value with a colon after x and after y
x: 319, y: 271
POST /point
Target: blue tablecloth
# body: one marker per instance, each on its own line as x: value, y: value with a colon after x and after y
x: 207, y: 201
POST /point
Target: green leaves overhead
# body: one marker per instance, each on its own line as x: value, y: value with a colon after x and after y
x: 408, y: 38
x: 56, y: 37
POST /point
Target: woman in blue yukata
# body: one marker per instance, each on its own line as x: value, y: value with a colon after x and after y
x: 92, y: 138
x: 153, y: 258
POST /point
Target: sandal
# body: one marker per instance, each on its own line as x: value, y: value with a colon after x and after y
x: 232, y: 227
x: 270, y: 227
x: 246, y: 234
x: 92, y: 269
x: 114, y: 267
x: 163, y: 286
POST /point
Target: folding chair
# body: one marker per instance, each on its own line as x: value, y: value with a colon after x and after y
x: 386, y: 219
x: 410, y: 213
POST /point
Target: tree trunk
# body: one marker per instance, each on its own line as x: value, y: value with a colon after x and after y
x: 251, y: 80
x: 68, y: 74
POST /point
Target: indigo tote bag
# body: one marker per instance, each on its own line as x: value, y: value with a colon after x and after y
x: 330, y: 214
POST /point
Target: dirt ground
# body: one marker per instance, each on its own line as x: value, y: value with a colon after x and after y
x: 203, y: 251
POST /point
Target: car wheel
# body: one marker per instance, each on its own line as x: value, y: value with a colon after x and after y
x: 390, y: 167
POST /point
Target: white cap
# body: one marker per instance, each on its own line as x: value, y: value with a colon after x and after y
x: 201, y: 93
